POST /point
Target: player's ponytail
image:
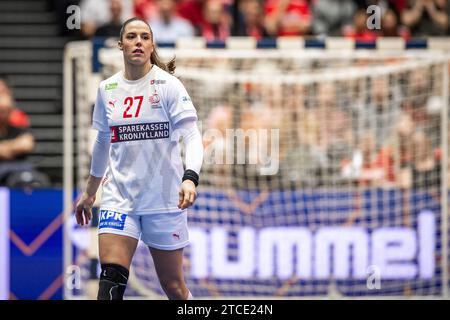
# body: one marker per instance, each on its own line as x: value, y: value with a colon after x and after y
x: 154, y: 57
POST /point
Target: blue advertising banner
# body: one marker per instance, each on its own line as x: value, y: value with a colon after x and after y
x: 322, y: 242
x: 4, y: 244
x: 36, y: 241
x: 255, y: 243
x: 313, y: 242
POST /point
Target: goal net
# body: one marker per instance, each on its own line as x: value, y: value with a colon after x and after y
x: 324, y: 173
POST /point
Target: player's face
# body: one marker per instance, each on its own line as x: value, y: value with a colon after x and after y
x: 136, y: 43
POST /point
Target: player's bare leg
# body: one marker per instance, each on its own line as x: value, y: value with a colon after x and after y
x: 116, y: 253
x: 114, y: 248
x: 169, y: 267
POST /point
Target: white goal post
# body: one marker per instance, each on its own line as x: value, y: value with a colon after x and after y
x: 354, y: 202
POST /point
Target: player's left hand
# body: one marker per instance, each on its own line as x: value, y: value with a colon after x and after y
x: 187, y: 194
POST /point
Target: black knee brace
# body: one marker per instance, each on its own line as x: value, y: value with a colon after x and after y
x: 113, y: 282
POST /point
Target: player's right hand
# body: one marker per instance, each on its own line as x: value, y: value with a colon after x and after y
x: 84, y: 209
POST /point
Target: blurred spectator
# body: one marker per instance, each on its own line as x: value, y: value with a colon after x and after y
x: 359, y: 30
x: 15, y: 144
x: 17, y: 117
x: 370, y: 167
x: 217, y: 22
x: 334, y: 132
x: 335, y: 124
x: 252, y: 24
x: 167, y: 26
x: 287, y: 17
x: 145, y: 9
x: 216, y: 146
x: 257, y: 120
x: 390, y: 26
x: 192, y: 10
x: 4, y: 88
x: 220, y: 118
x: 304, y: 159
x: 404, y: 129
x: 95, y: 13
x: 422, y: 105
x: 381, y: 111
x: 218, y: 121
x: 426, y: 165
x: 427, y: 17
x: 112, y: 28
x: 395, y: 5
x: 391, y: 12
x: 424, y: 169
x: 331, y: 17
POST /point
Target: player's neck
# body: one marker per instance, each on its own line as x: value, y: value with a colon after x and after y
x: 136, y: 72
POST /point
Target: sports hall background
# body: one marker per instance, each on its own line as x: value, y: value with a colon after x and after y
x: 33, y: 35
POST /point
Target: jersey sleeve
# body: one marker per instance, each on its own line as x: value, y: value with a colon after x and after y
x: 180, y: 105
x: 99, y: 119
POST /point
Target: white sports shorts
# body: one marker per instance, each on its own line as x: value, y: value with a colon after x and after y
x: 164, y: 231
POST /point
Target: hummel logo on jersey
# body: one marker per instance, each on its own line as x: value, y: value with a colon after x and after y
x: 112, y: 219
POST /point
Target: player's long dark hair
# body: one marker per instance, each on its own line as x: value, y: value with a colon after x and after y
x: 154, y: 57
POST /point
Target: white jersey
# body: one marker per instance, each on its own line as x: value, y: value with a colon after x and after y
x: 145, y: 167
